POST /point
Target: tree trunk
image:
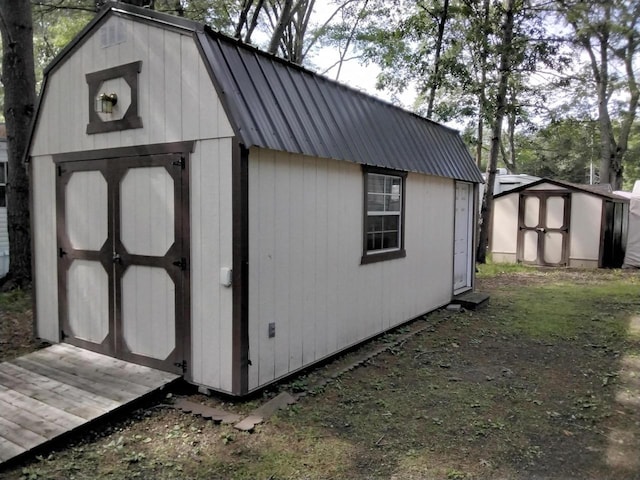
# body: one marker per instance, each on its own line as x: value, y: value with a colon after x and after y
x: 283, y: 18
x: 435, y: 76
x: 18, y: 78
x: 496, y: 135
x: 482, y: 100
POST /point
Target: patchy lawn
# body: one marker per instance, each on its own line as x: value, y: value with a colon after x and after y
x: 542, y: 383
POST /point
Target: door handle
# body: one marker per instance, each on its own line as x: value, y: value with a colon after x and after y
x: 541, y: 229
x: 116, y: 258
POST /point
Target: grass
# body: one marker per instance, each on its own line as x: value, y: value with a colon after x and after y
x: 541, y: 383
x: 16, y: 301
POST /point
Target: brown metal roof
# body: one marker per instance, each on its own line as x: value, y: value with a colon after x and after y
x: 281, y: 106
x: 275, y: 104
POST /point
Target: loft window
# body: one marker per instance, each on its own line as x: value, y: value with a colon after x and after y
x: 4, y: 172
x: 383, y: 214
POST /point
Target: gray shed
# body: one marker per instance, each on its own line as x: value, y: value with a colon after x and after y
x: 202, y: 207
x: 556, y: 223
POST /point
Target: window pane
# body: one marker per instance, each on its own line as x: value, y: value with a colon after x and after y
x: 374, y: 241
x: 375, y: 183
x: 388, y: 181
x: 392, y: 203
x: 374, y: 224
x: 3, y: 196
x: 375, y: 202
x: 3, y: 172
x: 390, y: 240
x: 391, y: 223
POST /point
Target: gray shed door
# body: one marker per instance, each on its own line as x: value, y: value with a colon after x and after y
x: 122, y: 266
x: 543, y: 227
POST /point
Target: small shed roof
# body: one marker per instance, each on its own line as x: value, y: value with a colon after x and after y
x: 275, y: 104
x: 603, y: 191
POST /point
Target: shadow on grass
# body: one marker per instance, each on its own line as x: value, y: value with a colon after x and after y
x: 623, y: 450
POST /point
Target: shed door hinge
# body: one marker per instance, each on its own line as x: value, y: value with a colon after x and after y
x: 179, y: 163
x: 60, y: 170
x: 61, y: 252
x: 63, y: 335
x: 182, y: 365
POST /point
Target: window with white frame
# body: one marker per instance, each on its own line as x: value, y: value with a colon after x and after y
x: 384, y: 214
x: 3, y: 184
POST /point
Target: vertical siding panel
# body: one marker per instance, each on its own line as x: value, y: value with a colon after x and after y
x: 53, y: 125
x: 211, y: 250
x: 255, y: 263
x: 156, y: 86
x: 74, y: 109
x: 296, y: 213
x: 141, y: 36
x: 267, y: 216
x: 334, y: 205
x: 321, y: 259
x: 309, y: 312
x: 105, y: 58
x: 88, y: 66
x: 172, y: 84
x: 282, y: 266
x: 45, y: 244
x: 190, y: 89
x: 225, y: 251
x: 207, y: 116
x: 353, y: 274
x: 198, y: 281
x: 128, y: 52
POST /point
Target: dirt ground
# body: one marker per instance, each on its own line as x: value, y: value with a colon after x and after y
x: 543, y: 383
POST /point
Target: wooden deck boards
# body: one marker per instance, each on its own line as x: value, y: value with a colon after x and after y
x: 53, y: 391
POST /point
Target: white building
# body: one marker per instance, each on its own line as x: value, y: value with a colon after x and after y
x: 203, y: 207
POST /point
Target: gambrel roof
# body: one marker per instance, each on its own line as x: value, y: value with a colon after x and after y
x: 275, y: 104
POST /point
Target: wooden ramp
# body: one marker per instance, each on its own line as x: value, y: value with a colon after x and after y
x: 53, y: 391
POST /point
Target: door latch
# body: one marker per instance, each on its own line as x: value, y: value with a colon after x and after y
x: 181, y: 263
x: 116, y: 258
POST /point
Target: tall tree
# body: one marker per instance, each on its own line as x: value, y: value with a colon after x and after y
x: 506, y: 60
x: 18, y: 79
x: 609, y: 33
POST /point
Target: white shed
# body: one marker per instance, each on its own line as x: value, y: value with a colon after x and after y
x: 203, y: 207
x: 555, y: 223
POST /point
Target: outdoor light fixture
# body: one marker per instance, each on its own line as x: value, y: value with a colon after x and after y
x: 105, y: 102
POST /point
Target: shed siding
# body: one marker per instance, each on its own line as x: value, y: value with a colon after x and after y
x: 177, y: 100
x: 211, y: 249
x: 584, y: 230
x: 305, y: 245
x: 504, y: 238
x: 545, y: 186
x: 586, y: 220
x: 44, y: 242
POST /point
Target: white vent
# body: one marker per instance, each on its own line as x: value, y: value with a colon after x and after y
x: 113, y: 33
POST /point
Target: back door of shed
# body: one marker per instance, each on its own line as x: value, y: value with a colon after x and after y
x: 122, y: 261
